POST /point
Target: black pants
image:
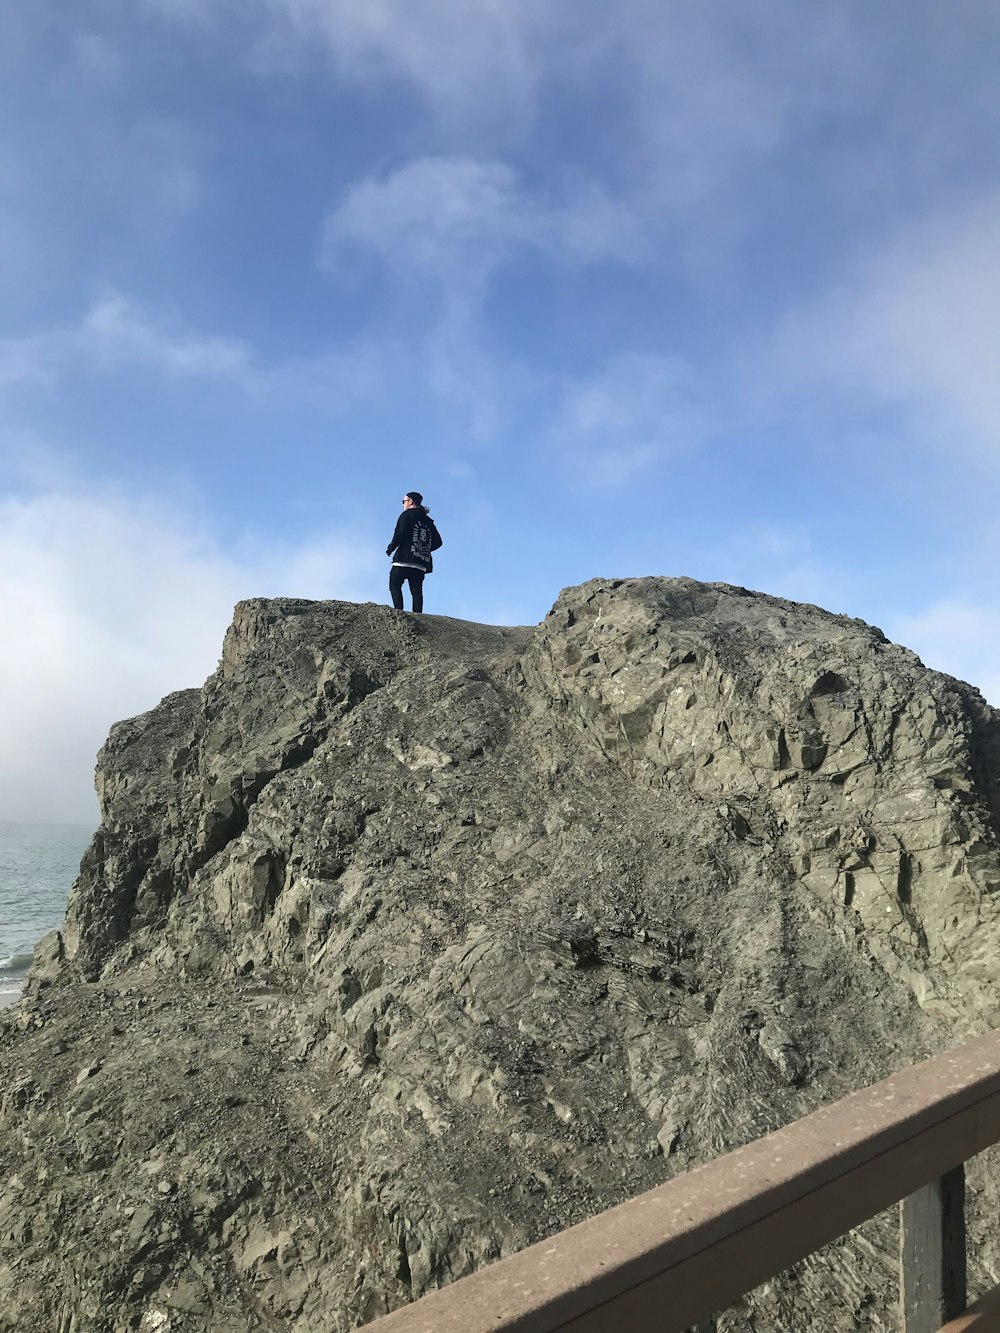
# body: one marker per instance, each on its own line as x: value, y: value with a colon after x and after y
x: 415, y: 578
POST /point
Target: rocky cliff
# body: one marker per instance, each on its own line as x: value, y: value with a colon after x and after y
x: 407, y: 941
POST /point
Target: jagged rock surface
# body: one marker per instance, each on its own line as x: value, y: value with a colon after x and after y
x: 406, y: 942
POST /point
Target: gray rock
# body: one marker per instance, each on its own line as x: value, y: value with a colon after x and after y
x: 406, y: 942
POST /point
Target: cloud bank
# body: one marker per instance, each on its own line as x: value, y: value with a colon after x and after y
x: 111, y: 602
x: 912, y: 323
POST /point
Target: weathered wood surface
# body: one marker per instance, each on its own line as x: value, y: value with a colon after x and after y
x: 932, y: 1254
x: 680, y: 1253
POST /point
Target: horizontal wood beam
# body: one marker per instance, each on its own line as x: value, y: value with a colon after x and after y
x: 983, y: 1316
x: 691, y: 1247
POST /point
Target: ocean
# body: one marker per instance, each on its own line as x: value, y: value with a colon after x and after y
x: 38, y: 864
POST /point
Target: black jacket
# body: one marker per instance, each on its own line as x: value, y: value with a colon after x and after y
x: 414, y: 539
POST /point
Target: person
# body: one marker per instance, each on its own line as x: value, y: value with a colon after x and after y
x: 413, y: 541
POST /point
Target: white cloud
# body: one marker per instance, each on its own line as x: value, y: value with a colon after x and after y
x: 708, y: 86
x: 453, y: 219
x: 691, y: 99
x: 473, y: 60
x: 443, y: 226
x: 915, y: 324
x: 689, y: 105
x: 716, y: 90
x: 118, y: 334
x: 634, y: 413
x: 436, y: 216
x: 961, y: 638
x: 474, y: 63
x: 112, y: 601
x: 926, y: 321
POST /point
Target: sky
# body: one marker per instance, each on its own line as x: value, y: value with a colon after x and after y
x: 679, y: 287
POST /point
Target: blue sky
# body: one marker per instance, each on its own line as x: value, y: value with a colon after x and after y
x: 657, y: 287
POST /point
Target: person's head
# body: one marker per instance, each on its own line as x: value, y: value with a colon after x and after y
x: 413, y: 500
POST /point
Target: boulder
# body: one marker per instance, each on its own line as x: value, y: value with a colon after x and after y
x: 405, y: 942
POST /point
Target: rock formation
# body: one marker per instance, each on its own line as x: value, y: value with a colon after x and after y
x: 405, y: 942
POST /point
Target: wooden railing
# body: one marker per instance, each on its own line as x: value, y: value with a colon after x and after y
x: 688, y: 1249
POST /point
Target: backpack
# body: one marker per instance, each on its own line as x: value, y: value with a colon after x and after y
x: 421, y: 543
x: 425, y: 539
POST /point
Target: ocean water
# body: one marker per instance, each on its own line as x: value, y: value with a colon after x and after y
x: 38, y: 864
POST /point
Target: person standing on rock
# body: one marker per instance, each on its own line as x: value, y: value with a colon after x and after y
x: 413, y: 541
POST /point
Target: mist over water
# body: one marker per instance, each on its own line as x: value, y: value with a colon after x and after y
x: 38, y: 864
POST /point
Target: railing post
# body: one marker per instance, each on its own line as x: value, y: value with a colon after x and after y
x: 932, y: 1254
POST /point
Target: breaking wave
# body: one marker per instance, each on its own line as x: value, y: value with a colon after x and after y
x: 17, y: 963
